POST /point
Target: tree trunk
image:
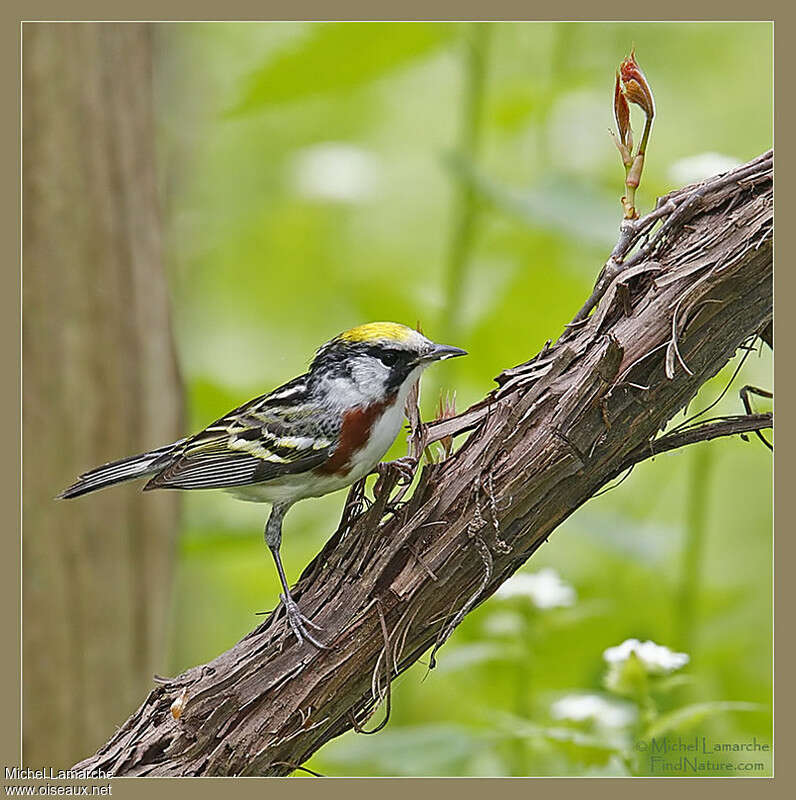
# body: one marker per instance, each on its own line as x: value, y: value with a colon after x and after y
x: 396, y: 578
x: 100, y: 382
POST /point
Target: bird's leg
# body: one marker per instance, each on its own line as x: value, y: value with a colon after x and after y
x: 273, y: 538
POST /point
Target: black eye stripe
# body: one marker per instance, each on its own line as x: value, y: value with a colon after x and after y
x: 338, y: 358
x: 389, y: 356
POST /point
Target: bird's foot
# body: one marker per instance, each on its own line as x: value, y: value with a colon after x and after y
x: 406, y: 468
x: 298, y: 623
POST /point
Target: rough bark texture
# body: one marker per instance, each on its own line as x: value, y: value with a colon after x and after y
x: 394, y: 579
x: 100, y: 382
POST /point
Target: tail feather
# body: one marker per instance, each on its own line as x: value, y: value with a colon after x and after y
x: 124, y: 469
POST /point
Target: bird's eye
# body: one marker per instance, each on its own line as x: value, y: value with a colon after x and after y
x: 389, y: 357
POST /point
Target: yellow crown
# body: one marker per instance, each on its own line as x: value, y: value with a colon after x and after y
x: 375, y: 331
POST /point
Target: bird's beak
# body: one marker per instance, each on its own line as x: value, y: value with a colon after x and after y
x: 443, y: 351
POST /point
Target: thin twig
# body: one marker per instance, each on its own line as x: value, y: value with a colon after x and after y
x: 747, y: 404
x: 388, y: 667
x: 298, y: 766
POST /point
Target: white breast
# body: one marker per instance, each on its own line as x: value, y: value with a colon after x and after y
x: 382, y: 435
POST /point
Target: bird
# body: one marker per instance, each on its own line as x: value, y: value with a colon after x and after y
x: 316, y: 434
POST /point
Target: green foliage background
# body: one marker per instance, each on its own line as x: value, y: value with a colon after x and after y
x: 487, y: 199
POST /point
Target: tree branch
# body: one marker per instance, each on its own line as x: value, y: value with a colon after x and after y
x: 724, y: 426
x: 694, y: 284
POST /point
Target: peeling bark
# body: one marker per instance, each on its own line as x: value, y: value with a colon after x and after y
x: 395, y: 578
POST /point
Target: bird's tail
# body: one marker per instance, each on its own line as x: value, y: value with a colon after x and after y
x: 118, y: 471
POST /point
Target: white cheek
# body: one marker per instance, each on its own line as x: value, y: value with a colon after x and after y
x: 371, y: 375
x: 366, y: 384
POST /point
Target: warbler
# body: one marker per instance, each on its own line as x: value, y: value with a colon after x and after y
x: 318, y: 433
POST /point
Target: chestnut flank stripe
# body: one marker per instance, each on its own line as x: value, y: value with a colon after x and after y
x: 354, y: 433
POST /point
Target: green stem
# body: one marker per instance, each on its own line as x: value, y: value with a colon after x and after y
x: 466, y: 211
x: 637, y: 170
x: 696, y: 520
x: 642, y: 148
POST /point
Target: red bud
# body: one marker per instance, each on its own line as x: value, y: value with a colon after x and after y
x: 634, y: 86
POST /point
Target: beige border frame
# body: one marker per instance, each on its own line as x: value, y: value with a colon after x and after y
x: 10, y: 340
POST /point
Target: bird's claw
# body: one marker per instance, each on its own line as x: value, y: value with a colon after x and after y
x: 298, y: 623
x: 405, y: 467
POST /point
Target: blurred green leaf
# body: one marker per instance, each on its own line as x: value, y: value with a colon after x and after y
x: 672, y: 682
x: 336, y: 56
x: 555, y: 202
x: 581, y: 746
x: 411, y: 750
x: 514, y: 105
x: 688, y: 716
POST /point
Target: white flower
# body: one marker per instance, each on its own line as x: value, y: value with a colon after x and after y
x: 545, y: 589
x: 657, y: 659
x: 605, y: 712
x: 699, y: 167
x: 504, y: 623
x: 335, y: 171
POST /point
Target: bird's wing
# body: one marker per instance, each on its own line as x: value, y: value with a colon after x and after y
x: 280, y: 433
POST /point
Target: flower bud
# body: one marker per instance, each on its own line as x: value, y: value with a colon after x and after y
x: 633, y: 86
